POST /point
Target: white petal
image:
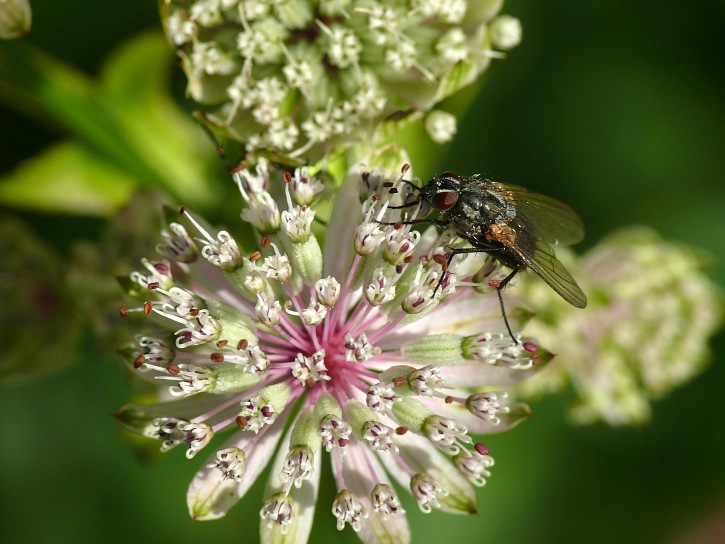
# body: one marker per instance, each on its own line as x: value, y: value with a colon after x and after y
x: 518, y: 413
x: 478, y: 374
x: 339, y: 247
x: 393, y: 467
x: 184, y: 408
x: 392, y: 530
x: 210, y: 497
x: 470, y: 314
x: 305, y: 500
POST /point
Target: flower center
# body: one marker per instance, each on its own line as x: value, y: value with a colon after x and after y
x: 333, y: 354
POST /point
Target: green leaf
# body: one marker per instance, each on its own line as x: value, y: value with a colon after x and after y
x: 67, y: 178
x: 129, y: 119
x: 46, y: 88
x: 136, y: 80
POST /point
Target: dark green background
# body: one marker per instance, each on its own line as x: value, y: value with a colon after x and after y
x: 614, y: 107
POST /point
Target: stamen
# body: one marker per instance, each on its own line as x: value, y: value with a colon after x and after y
x: 385, y: 501
x: 257, y: 413
x: 446, y: 434
x: 348, y: 509
x: 488, y: 405
x: 359, y: 350
x: 298, y: 466
x: 480, y: 448
x: 426, y: 381
x: 310, y: 368
x: 231, y: 462
x: 474, y: 465
x: 380, y: 397
x: 278, y: 509
x: 335, y: 433
x: 172, y: 432
x: 379, y: 437
x: 426, y: 491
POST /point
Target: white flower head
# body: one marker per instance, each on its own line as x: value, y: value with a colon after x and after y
x: 346, y: 351
x: 331, y: 71
x: 159, y: 275
x: 231, y: 462
x: 304, y: 187
x: 648, y: 327
x: 310, y: 369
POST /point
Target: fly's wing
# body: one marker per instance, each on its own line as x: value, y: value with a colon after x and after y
x: 540, y: 258
x: 537, y: 255
x: 550, y: 220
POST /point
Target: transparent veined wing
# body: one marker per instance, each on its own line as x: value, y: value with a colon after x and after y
x: 549, y: 219
x: 541, y: 259
x: 538, y: 255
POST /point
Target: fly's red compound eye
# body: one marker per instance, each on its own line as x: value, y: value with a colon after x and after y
x: 444, y: 200
x: 450, y: 175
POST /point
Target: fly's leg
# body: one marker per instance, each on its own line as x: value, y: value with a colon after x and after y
x: 499, y: 285
x: 496, y: 284
x: 402, y: 206
x: 398, y: 224
x: 445, y: 263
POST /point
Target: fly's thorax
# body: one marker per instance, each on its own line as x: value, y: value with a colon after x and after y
x: 476, y: 209
x: 465, y: 220
x: 491, y: 205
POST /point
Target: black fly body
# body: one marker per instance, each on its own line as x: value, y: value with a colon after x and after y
x: 514, y: 225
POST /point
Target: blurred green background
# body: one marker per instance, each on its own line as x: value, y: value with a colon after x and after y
x: 615, y: 108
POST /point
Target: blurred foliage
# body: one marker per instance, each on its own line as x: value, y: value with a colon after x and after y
x: 125, y: 131
x: 614, y: 108
x: 41, y: 338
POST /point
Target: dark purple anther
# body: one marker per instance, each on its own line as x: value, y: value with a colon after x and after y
x: 480, y: 448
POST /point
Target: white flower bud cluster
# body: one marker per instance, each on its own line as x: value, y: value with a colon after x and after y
x: 648, y: 327
x: 300, y: 77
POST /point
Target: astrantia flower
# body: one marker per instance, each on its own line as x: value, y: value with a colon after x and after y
x: 372, y: 353
x: 645, y: 331
x: 303, y: 76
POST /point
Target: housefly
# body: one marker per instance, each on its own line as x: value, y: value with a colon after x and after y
x: 514, y: 225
